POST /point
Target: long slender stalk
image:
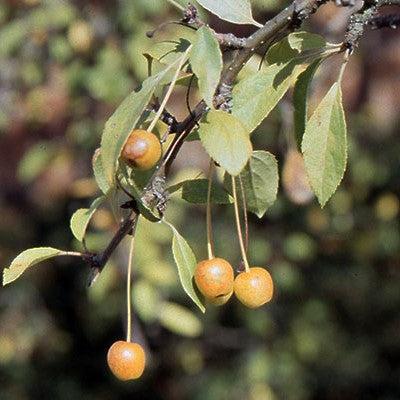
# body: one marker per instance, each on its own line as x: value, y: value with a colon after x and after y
x: 176, y: 4
x: 245, y: 219
x: 210, y: 241
x: 238, y: 227
x: 128, y: 292
x: 169, y: 92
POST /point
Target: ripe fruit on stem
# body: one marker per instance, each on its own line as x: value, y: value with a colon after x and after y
x: 214, y: 278
x: 254, y: 287
x: 142, y: 150
x: 126, y: 360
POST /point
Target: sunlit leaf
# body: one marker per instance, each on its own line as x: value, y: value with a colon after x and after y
x: 226, y: 140
x: 81, y: 218
x: 206, y: 63
x: 237, y: 11
x: 294, y: 45
x: 302, y: 41
x: 167, y: 52
x: 257, y: 95
x: 324, y: 145
x: 27, y: 259
x: 186, y: 262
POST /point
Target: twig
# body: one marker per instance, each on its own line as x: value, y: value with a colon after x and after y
x: 98, y: 261
x: 166, y: 117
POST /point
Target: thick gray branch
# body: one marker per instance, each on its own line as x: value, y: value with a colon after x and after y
x: 360, y: 19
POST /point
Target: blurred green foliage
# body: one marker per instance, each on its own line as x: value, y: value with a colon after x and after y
x: 332, y: 331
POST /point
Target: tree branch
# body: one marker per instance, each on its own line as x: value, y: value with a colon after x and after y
x: 362, y: 18
x: 283, y: 23
x: 287, y: 20
x: 98, y: 261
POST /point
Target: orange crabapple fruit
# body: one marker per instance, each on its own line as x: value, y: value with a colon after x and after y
x: 254, y: 287
x: 142, y: 150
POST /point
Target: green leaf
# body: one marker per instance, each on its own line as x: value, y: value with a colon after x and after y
x: 167, y: 52
x: 303, y: 41
x: 179, y: 320
x: 195, y: 191
x: 80, y: 219
x: 292, y: 46
x: 98, y: 171
x: 27, y: 259
x: 172, y: 41
x: 226, y: 140
x: 186, y: 262
x: 121, y: 124
x: 325, y: 145
x: 206, y: 62
x: 135, y: 182
x: 256, y: 96
x: 300, y: 94
x: 237, y: 11
x: 260, y: 182
x: 125, y: 119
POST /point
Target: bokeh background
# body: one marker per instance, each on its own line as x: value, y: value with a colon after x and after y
x: 333, y: 329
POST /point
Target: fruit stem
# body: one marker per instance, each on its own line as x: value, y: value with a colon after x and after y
x: 210, y: 241
x: 246, y: 222
x: 238, y: 226
x: 128, y: 291
x: 169, y: 92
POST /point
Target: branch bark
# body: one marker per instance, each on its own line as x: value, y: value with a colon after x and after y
x: 360, y: 19
x: 98, y: 261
